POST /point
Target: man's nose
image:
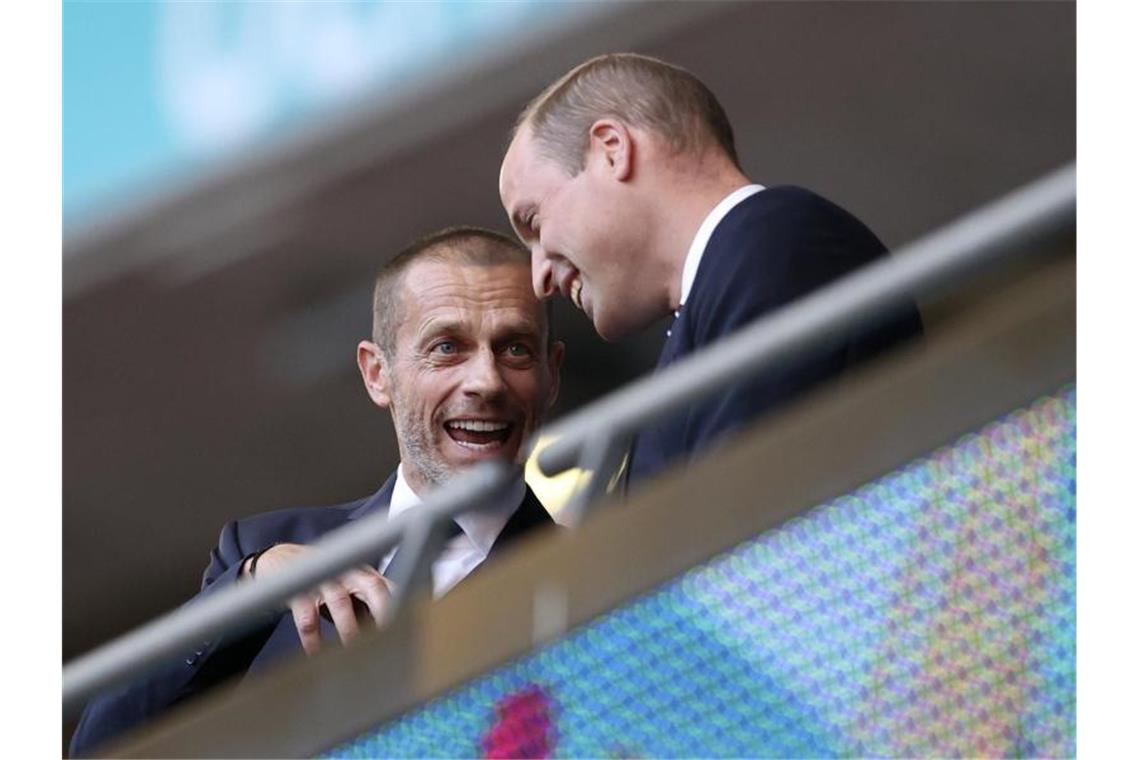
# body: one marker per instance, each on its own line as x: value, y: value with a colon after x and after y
x: 542, y: 273
x: 482, y: 376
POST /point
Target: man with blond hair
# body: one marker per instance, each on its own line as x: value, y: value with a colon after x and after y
x: 623, y: 180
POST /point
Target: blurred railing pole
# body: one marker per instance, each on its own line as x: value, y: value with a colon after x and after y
x: 935, y: 262
x: 184, y: 629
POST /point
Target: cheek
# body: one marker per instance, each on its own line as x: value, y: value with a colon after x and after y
x: 526, y: 387
x: 432, y: 390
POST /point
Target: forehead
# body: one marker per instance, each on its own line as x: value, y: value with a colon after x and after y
x: 526, y: 173
x: 518, y: 152
x: 476, y: 297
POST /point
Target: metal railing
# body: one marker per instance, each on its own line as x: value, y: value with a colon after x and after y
x: 596, y: 435
x: 230, y: 610
x: 599, y: 433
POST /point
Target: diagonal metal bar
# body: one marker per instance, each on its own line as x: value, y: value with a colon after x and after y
x: 934, y: 263
x: 182, y: 630
x: 602, y: 456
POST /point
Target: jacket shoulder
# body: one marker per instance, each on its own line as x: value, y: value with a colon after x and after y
x: 292, y: 524
x: 788, y: 210
x: 787, y: 237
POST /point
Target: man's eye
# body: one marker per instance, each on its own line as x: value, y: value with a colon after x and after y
x: 518, y: 349
x: 445, y: 347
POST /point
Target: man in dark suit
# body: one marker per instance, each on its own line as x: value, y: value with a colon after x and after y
x: 622, y: 178
x: 461, y: 357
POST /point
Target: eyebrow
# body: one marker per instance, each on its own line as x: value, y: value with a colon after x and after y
x: 435, y: 329
x: 528, y: 330
x: 518, y: 218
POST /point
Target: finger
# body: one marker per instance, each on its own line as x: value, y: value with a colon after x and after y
x: 371, y: 587
x: 307, y: 618
x: 339, y: 604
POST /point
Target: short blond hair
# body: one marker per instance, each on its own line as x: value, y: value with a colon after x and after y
x: 636, y: 89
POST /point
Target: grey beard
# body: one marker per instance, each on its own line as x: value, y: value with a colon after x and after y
x: 416, y: 449
x: 418, y: 454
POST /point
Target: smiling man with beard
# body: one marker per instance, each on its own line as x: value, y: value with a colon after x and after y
x: 461, y: 357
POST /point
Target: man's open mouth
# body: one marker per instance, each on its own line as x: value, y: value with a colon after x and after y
x: 479, y: 434
x: 570, y: 285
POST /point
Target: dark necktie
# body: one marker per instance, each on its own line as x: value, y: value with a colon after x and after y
x: 398, y: 566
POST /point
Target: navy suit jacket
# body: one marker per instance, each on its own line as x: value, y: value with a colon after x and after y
x: 772, y: 248
x: 266, y: 640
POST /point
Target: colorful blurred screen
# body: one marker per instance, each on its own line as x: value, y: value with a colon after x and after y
x: 930, y: 613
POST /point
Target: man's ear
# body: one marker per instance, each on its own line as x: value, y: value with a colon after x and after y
x: 554, y: 368
x: 374, y: 372
x: 612, y: 143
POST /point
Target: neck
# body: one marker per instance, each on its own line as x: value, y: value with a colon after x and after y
x: 412, y: 477
x: 683, y: 211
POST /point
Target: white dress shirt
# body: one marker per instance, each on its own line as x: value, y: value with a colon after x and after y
x: 705, y: 231
x: 466, y: 551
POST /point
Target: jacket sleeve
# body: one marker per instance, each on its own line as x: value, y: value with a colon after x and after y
x: 117, y: 710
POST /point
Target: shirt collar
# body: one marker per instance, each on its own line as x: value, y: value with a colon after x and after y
x: 481, y: 526
x: 705, y: 231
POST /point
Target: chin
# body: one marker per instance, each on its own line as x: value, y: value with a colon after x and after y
x: 603, y: 327
x: 608, y: 330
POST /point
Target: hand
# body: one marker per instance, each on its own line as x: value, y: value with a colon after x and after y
x: 363, y: 585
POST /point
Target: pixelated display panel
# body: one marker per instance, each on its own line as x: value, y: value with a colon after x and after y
x: 929, y: 613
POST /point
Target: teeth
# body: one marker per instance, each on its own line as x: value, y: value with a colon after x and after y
x: 478, y: 446
x: 576, y: 292
x: 478, y: 426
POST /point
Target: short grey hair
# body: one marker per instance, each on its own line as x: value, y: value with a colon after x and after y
x: 462, y: 245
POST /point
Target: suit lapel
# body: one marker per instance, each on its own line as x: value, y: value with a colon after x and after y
x: 530, y: 516
x: 377, y: 502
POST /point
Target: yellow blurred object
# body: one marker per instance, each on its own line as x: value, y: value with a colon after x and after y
x: 554, y: 493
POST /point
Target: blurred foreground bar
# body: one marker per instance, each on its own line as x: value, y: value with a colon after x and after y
x: 850, y: 576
